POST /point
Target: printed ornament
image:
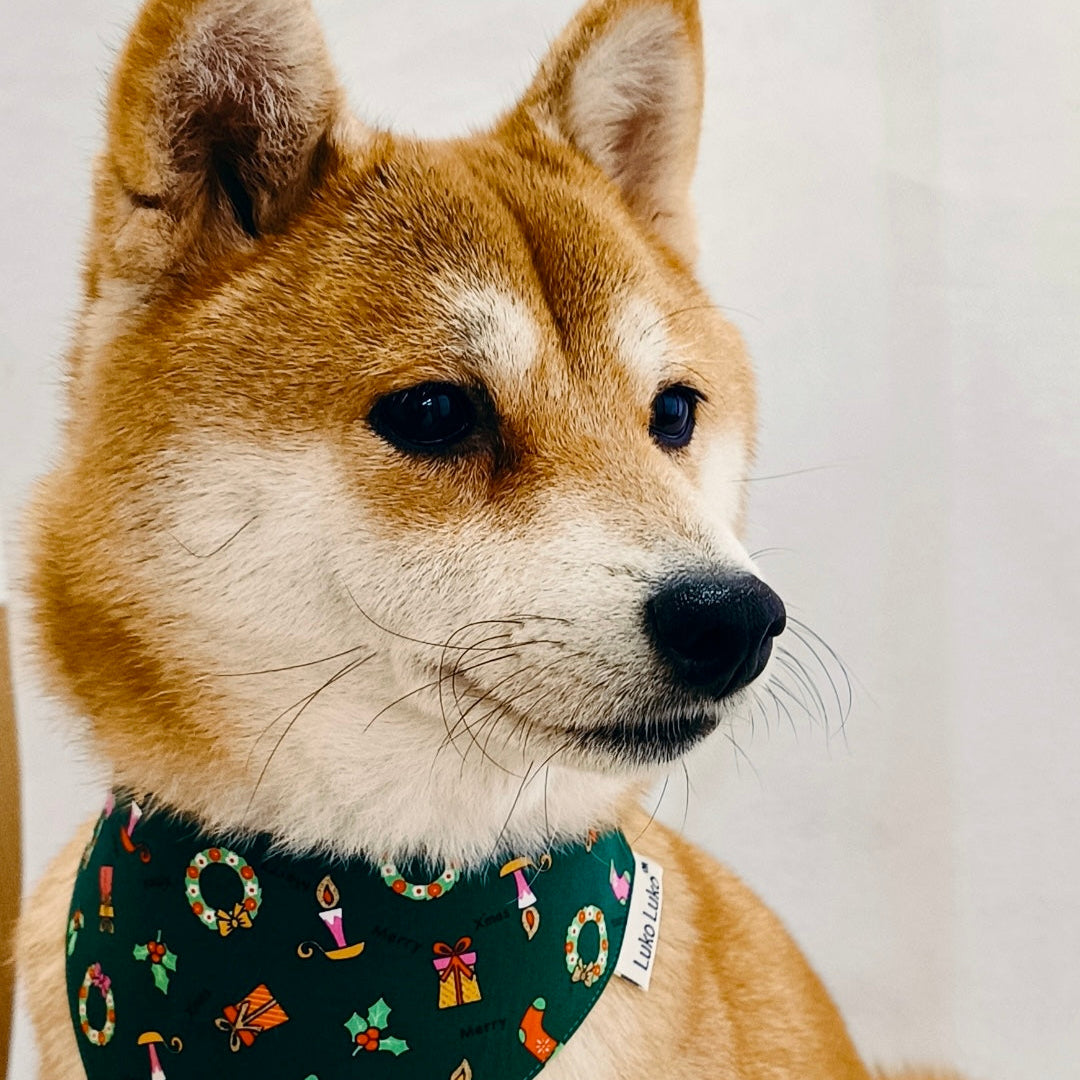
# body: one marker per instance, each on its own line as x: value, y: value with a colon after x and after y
x: 106, y: 912
x: 75, y: 924
x: 412, y: 890
x: 531, y: 1033
x: 243, y: 912
x: 250, y: 1017
x: 620, y: 884
x: 96, y: 979
x: 162, y: 961
x: 367, y: 1031
x: 526, y: 900
x: 586, y: 971
x: 126, y: 839
x: 457, y: 973
x: 152, y: 1040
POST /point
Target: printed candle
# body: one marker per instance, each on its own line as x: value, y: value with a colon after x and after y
x: 328, y: 896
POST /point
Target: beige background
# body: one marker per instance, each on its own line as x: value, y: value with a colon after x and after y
x: 889, y: 207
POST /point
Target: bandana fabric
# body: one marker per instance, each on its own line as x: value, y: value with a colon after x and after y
x: 191, y: 956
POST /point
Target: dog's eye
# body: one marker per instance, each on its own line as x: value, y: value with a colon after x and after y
x: 673, y: 412
x: 427, y: 419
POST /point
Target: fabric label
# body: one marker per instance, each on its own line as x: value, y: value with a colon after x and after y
x: 638, y: 953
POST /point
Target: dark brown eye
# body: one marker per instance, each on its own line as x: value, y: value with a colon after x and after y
x: 431, y: 418
x: 673, y: 413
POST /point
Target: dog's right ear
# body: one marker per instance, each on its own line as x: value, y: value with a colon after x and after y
x: 222, y: 116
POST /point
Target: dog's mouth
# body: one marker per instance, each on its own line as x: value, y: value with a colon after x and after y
x: 647, y: 741
x: 642, y: 738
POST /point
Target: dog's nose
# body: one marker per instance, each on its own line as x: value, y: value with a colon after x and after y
x: 715, y: 633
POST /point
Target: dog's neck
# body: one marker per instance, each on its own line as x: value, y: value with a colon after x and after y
x: 403, y: 804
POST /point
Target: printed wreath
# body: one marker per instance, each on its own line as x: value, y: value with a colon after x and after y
x: 240, y: 918
x: 95, y: 977
x: 579, y: 970
x: 431, y: 891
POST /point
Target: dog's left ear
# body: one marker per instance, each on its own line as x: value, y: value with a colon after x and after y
x: 624, y: 84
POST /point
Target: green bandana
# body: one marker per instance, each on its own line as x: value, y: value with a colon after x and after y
x: 196, y: 957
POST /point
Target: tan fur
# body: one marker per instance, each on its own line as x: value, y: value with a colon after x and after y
x: 221, y: 502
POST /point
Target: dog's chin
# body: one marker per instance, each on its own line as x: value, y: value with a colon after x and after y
x: 641, y: 742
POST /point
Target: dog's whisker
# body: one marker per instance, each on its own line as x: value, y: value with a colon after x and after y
x: 454, y: 674
x: 803, y: 681
x: 523, y: 722
x: 518, y: 620
x: 511, y: 704
x: 780, y: 706
x: 796, y: 700
x: 547, y: 819
x: 765, y: 714
x: 529, y: 773
x: 537, y: 673
x: 431, y: 686
x: 655, y: 811
x: 346, y: 670
x: 281, y: 715
x: 450, y: 729
x: 686, y: 801
x: 514, y: 804
x: 739, y: 752
x: 221, y: 547
x: 800, y: 628
x: 472, y: 730
x: 758, y: 706
x: 686, y: 311
x: 785, y: 475
x: 284, y: 667
x: 751, y: 714
x: 755, y: 555
x: 803, y: 676
x: 492, y: 718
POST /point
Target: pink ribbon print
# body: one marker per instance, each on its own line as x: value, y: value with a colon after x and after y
x: 99, y: 979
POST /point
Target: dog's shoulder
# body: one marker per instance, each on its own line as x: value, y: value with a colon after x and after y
x: 723, y: 951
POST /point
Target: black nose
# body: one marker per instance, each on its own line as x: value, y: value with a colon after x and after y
x: 715, y: 633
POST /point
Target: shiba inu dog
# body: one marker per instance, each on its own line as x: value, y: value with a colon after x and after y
x: 398, y: 519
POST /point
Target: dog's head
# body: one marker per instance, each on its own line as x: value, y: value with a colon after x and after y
x: 403, y: 480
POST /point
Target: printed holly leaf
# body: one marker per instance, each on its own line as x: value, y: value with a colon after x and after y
x: 378, y: 1014
x: 161, y: 978
x: 141, y: 952
x: 395, y: 1046
x: 169, y: 960
x: 355, y: 1025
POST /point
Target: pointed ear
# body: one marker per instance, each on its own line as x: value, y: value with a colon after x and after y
x: 623, y: 84
x: 221, y: 117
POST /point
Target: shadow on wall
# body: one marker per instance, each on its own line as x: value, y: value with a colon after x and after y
x: 9, y: 838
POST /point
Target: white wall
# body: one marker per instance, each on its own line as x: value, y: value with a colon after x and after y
x: 889, y: 205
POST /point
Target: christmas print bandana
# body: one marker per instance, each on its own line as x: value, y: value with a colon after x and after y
x: 191, y: 956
